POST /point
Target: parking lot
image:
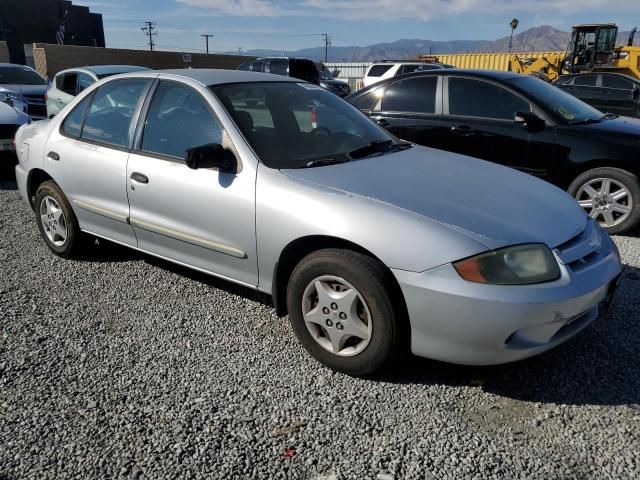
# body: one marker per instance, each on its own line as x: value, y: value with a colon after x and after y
x: 120, y: 365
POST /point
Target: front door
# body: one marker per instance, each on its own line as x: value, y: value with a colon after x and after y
x: 479, y: 120
x: 88, y: 156
x: 201, y: 218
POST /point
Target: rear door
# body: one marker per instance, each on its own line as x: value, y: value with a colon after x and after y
x: 411, y: 109
x: 621, y: 95
x: 585, y: 87
x: 88, y: 156
x: 479, y: 121
x: 201, y: 218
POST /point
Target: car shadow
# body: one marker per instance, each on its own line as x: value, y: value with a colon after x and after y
x: 597, y: 367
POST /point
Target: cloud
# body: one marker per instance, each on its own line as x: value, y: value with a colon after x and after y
x: 404, y: 9
x: 257, y: 8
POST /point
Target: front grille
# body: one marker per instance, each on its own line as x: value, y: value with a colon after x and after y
x: 582, y: 250
x: 8, y: 131
x: 37, y: 105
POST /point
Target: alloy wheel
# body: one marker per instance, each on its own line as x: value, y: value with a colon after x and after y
x: 606, y: 200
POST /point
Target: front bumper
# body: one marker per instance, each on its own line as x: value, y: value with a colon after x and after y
x: 457, y: 321
x: 21, y: 180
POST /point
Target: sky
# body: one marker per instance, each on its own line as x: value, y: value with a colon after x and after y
x: 294, y: 24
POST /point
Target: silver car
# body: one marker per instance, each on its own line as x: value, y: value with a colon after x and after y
x: 370, y: 244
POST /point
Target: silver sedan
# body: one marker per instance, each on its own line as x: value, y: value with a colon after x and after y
x: 373, y: 246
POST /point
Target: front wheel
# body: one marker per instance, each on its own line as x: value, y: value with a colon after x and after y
x: 611, y: 196
x: 340, y: 309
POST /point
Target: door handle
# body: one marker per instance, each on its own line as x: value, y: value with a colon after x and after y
x: 139, y: 177
x: 462, y: 130
x: 53, y: 156
x: 382, y: 122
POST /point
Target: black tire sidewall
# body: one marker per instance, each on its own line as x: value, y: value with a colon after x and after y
x: 628, y: 179
x: 368, y: 279
x: 50, y: 189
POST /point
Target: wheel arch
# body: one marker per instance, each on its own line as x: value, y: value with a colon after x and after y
x: 584, y: 167
x: 299, y: 248
x: 36, y: 177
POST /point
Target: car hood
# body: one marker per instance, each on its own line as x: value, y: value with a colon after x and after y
x: 11, y: 116
x: 620, y: 125
x: 26, y: 89
x: 494, y: 205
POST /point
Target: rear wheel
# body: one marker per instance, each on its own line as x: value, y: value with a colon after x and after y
x: 56, y: 221
x: 340, y: 309
x: 611, y: 196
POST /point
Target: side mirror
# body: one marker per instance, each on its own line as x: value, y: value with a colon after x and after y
x: 529, y: 120
x: 212, y: 155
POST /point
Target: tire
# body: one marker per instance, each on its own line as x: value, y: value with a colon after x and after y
x: 604, y: 206
x: 53, y: 212
x: 367, y: 281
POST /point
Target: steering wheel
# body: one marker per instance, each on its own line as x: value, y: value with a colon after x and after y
x: 321, y: 131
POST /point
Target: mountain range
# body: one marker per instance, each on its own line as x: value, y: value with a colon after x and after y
x: 540, y: 39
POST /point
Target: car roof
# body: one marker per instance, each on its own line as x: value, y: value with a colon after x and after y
x: 615, y: 74
x: 15, y: 65
x: 213, y: 76
x: 106, y: 70
x: 487, y: 74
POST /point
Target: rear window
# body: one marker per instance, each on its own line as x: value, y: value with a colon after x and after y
x: 586, y: 80
x: 304, y: 70
x: 378, y: 70
x: 613, y: 81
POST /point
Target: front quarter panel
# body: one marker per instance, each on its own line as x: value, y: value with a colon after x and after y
x: 288, y: 209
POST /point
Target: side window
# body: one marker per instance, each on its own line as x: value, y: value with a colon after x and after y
x: 111, y: 111
x: 69, y: 83
x: 258, y: 67
x: 178, y: 119
x: 416, y: 95
x: 72, y: 125
x: 585, y: 80
x: 245, y: 66
x: 368, y: 100
x: 378, y: 70
x: 84, y: 82
x: 474, y: 98
x: 612, y: 81
x: 279, y: 67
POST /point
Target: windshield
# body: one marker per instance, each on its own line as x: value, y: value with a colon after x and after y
x: 561, y: 104
x: 20, y: 76
x: 293, y: 125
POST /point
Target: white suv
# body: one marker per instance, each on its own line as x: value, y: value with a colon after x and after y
x: 386, y: 69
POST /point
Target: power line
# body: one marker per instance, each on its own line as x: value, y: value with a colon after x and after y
x: 150, y: 30
x: 327, y: 42
x: 207, y: 36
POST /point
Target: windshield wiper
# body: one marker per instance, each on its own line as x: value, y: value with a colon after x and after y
x: 586, y: 121
x: 319, y: 162
x: 377, y: 146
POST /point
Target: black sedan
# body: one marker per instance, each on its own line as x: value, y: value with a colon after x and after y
x: 522, y: 122
x: 608, y: 92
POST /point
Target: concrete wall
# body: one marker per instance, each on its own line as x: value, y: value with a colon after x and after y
x: 50, y: 59
x: 4, y: 52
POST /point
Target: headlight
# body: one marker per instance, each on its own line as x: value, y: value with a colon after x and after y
x: 519, y: 265
x: 10, y: 97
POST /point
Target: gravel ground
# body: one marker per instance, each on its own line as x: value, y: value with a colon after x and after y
x: 120, y: 365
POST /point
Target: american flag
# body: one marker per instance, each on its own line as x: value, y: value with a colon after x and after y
x: 61, y: 30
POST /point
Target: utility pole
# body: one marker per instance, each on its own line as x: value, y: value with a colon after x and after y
x: 150, y: 31
x: 207, y: 36
x: 513, y: 24
x: 327, y: 42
